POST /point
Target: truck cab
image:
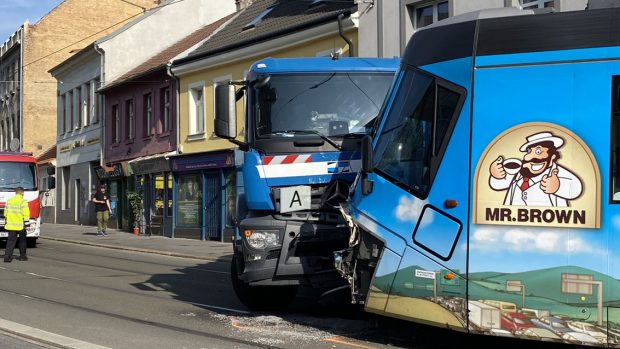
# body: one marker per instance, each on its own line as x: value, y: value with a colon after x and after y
x: 304, y: 121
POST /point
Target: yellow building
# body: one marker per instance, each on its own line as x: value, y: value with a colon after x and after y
x: 265, y: 28
x: 28, y: 91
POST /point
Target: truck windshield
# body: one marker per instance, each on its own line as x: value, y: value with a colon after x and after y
x: 17, y: 174
x: 331, y: 104
x: 416, y: 130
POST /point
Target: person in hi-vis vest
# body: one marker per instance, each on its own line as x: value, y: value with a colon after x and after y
x: 17, y: 216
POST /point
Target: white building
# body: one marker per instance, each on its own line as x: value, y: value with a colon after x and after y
x: 385, y: 26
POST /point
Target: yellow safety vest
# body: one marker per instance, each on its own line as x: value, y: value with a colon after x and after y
x: 16, y: 213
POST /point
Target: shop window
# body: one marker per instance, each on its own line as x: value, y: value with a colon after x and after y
x: 189, y: 201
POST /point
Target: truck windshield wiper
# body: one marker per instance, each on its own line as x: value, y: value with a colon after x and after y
x: 312, y: 132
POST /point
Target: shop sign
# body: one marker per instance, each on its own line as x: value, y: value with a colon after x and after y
x: 154, y: 165
x: 205, y: 161
x: 115, y: 171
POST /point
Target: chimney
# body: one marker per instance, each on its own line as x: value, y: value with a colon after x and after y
x: 241, y: 4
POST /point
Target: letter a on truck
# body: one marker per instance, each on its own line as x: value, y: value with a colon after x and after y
x: 495, y: 168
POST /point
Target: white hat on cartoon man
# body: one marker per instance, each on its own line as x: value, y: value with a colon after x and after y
x: 542, y: 137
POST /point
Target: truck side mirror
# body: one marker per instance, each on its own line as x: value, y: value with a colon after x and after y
x: 225, y: 111
x: 51, y: 182
x: 367, y: 165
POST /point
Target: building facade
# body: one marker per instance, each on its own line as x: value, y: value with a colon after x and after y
x: 79, y: 120
x: 206, y: 164
x: 385, y: 26
x: 25, y: 58
x: 141, y: 99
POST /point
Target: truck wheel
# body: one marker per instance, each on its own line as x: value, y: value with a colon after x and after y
x: 263, y: 298
x: 31, y: 242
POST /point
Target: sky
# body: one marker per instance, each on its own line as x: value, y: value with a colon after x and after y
x: 13, y: 13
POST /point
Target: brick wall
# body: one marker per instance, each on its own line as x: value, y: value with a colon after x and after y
x: 69, y: 27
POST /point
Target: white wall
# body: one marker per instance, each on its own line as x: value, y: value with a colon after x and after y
x: 158, y: 29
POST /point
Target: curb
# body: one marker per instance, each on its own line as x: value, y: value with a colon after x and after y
x: 141, y: 250
x: 44, y: 338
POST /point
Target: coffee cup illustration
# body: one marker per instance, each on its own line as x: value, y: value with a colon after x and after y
x: 512, y: 165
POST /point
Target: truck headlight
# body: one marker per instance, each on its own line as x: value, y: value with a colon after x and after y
x: 260, y: 239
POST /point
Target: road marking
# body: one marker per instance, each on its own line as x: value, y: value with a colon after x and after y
x: 340, y: 340
x: 220, y: 308
x: 45, y: 337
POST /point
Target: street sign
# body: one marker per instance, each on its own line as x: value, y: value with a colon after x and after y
x: 514, y: 286
x: 426, y: 274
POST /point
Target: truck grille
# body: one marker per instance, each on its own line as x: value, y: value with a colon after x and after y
x: 326, y: 197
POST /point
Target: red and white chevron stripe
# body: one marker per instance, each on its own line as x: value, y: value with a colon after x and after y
x: 287, y: 159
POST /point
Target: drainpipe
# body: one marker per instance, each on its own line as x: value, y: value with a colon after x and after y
x: 21, y: 86
x: 177, y: 93
x: 344, y: 37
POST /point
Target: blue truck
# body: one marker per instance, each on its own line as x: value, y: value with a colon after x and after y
x: 304, y: 121
x: 492, y: 180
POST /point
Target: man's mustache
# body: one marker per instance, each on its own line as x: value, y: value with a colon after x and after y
x: 536, y: 161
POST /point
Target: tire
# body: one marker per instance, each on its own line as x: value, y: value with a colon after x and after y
x: 31, y: 242
x: 261, y: 298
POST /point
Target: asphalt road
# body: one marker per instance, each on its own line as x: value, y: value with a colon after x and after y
x: 121, y: 299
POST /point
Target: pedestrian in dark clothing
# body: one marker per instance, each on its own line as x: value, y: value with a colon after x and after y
x: 103, y: 210
x: 17, y: 215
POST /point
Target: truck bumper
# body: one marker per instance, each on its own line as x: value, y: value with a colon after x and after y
x: 304, y: 256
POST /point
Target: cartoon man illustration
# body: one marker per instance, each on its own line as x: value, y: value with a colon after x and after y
x: 537, y: 180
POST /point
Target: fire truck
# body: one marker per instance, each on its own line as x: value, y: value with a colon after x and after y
x: 20, y: 170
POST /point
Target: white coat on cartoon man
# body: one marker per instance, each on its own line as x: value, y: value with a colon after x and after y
x: 538, y: 179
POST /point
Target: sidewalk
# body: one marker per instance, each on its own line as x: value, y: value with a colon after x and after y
x: 120, y: 240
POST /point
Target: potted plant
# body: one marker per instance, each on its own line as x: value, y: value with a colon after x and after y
x: 135, y: 203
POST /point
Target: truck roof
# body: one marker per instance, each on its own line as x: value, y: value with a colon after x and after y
x: 17, y: 157
x: 318, y: 64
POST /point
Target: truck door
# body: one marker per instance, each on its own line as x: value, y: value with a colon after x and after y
x: 430, y: 155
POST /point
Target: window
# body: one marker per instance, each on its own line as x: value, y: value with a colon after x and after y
x: 417, y: 130
x: 87, y: 104
x: 70, y: 104
x: 196, y: 109
x: 258, y: 19
x: 116, y: 124
x: 147, y: 114
x: 129, y: 119
x: 78, y: 107
x: 165, y: 108
x: 528, y: 4
x: 428, y: 13
x: 615, y: 139
x: 63, y: 104
x: 98, y: 101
